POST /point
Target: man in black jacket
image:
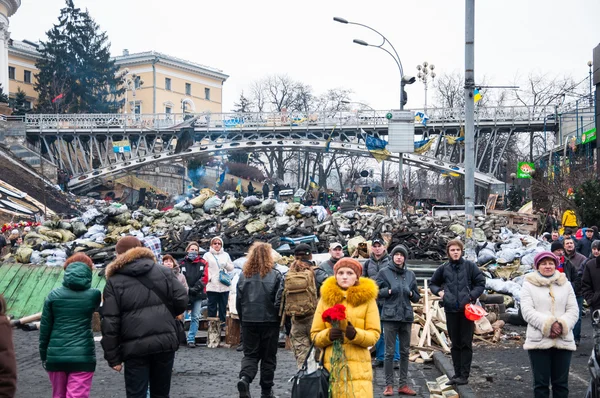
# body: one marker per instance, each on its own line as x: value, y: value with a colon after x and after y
x: 325, y: 269
x: 257, y: 302
x: 458, y: 282
x: 138, y: 327
x: 590, y: 284
x: 578, y: 260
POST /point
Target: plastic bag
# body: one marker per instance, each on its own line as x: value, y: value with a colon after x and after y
x: 306, y: 211
x: 281, y: 208
x: 268, y: 206
x: 321, y: 213
x: 79, y: 228
x: 89, y: 215
x: 251, y: 201
x: 507, y: 287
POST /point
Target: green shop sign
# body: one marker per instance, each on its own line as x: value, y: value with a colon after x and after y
x: 588, y: 136
x: 524, y: 169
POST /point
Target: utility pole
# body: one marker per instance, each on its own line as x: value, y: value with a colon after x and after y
x: 469, y: 128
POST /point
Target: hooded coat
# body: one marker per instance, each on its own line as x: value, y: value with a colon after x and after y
x: 543, y: 302
x: 136, y: 322
x: 590, y: 285
x: 402, y: 282
x: 66, y: 340
x: 362, y: 312
x: 372, y: 266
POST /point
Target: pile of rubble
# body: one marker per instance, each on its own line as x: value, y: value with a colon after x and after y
x: 241, y: 221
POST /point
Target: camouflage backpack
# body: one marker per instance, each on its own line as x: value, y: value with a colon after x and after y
x: 299, y: 293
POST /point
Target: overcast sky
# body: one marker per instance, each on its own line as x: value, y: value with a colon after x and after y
x: 251, y: 39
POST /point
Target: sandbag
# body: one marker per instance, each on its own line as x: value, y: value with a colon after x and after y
x: 199, y: 201
x: 79, y: 228
x: 268, y: 206
x: 457, y: 229
x: 255, y: 226
x: 306, y: 211
x: 23, y: 254
x: 353, y: 243
x: 89, y: 215
x: 293, y: 209
x: 321, y: 213
x: 251, y: 201
x: 211, y: 203
x: 230, y: 206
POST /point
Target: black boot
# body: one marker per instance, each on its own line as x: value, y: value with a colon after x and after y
x: 244, y: 387
x: 267, y: 394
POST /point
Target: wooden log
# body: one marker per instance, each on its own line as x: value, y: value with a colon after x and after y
x: 214, y: 332
x: 427, y: 310
x: 26, y: 319
x: 232, y: 337
x: 414, y: 335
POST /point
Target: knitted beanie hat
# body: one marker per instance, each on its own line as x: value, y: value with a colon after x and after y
x: 348, y: 263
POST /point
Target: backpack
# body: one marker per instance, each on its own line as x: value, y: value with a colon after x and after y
x: 299, y: 293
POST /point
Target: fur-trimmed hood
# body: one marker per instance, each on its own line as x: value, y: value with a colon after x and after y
x: 136, y: 261
x: 538, y: 280
x: 364, y: 291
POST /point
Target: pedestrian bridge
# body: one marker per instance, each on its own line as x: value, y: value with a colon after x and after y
x: 93, y: 146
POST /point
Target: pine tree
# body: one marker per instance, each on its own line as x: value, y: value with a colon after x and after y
x: 19, y: 107
x: 76, y: 74
x: 244, y: 105
x: 587, y: 200
x: 3, y: 96
x: 515, y: 198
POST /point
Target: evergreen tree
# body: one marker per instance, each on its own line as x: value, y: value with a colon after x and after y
x: 515, y: 198
x: 76, y: 74
x: 19, y: 107
x: 244, y: 105
x: 587, y: 200
x: 3, y: 96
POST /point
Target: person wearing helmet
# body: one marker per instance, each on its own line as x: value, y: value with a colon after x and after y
x: 550, y: 309
x: 458, y: 282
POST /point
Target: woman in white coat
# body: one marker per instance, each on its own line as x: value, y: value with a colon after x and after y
x: 216, y: 291
x: 550, y: 309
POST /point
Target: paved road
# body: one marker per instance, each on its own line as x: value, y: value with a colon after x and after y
x: 199, y: 373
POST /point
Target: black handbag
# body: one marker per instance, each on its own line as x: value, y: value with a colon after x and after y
x: 179, y: 327
x: 315, y: 384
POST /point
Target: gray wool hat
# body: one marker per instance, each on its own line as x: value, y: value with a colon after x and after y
x: 402, y: 249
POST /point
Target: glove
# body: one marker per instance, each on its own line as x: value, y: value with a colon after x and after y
x: 336, y: 334
x: 350, y: 331
x: 44, y: 365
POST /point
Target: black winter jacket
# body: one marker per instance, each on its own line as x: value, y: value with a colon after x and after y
x: 322, y: 272
x: 258, y: 299
x: 461, y: 282
x: 372, y: 266
x: 573, y: 276
x: 194, y: 272
x: 396, y: 306
x: 590, y: 284
x: 135, y: 321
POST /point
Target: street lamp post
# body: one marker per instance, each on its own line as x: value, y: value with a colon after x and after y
x: 589, y: 64
x: 469, y: 128
x: 404, y: 80
x: 425, y: 73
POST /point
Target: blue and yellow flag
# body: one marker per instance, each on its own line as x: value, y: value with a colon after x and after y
x: 313, y: 184
x: 421, y: 117
x: 238, y: 188
x: 222, y: 177
x: 476, y: 96
x: 377, y: 147
x: 328, y: 143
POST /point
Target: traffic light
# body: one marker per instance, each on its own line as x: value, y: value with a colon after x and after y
x: 404, y: 97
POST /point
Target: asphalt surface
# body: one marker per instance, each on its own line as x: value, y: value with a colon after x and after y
x: 199, y: 372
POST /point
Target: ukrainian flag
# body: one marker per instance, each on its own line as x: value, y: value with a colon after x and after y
x: 376, y: 147
x: 476, y: 96
x: 238, y: 188
x: 313, y: 184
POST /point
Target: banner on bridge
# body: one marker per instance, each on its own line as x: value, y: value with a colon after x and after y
x: 121, y: 146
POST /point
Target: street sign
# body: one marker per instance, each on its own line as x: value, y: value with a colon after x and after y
x: 401, y: 130
x: 588, y: 136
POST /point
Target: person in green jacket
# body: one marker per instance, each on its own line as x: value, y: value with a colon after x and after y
x: 66, y: 342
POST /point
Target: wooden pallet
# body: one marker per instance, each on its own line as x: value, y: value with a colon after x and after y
x: 521, y: 221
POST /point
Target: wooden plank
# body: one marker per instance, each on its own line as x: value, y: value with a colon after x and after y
x: 26, y: 289
x: 60, y: 278
x: 7, y: 274
x: 37, y: 290
x: 414, y: 335
x: 36, y: 300
x: 11, y: 291
x: 427, y: 310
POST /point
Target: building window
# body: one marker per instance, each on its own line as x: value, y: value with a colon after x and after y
x: 137, y: 109
x: 11, y: 72
x: 188, y: 89
x: 27, y: 104
x: 138, y: 82
x: 27, y: 76
x: 207, y: 94
x: 167, y: 84
x: 168, y: 110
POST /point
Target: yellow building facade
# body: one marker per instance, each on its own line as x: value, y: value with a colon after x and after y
x: 154, y: 82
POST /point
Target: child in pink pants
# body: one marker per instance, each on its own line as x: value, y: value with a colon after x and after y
x: 78, y: 384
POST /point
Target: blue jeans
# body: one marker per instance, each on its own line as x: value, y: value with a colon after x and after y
x: 194, y: 321
x: 577, y: 328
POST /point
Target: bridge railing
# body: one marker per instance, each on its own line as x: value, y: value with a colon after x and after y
x: 266, y: 120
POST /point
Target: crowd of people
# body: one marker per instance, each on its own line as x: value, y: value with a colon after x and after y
x: 147, y: 293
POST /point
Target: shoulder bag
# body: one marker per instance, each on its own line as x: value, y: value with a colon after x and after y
x: 315, y: 384
x: 179, y: 328
x: 224, y: 277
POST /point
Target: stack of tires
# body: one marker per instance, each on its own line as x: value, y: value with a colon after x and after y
x: 496, y: 304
